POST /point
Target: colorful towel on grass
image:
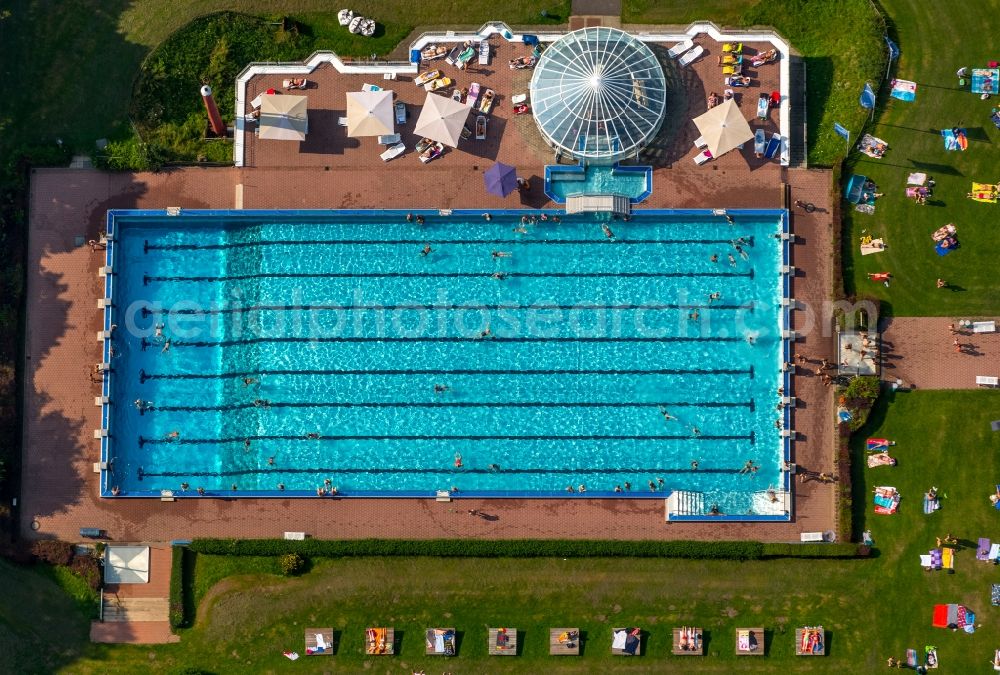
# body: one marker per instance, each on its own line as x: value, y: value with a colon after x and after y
x: 930, y: 656
x: 985, y: 80
x: 904, y: 90
x: 953, y: 142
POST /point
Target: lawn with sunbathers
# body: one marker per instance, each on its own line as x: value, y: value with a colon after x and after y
x: 913, y: 133
x: 873, y: 609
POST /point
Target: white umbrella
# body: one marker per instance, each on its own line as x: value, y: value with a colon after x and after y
x: 723, y: 128
x: 369, y: 113
x: 283, y: 117
x: 442, y: 119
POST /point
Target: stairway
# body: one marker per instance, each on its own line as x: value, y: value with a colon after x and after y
x: 599, y: 203
x: 135, y: 609
x: 685, y: 503
x: 797, y: 113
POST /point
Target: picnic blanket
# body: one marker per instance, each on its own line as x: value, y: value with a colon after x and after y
x: 918, y: 178
x: 955, y: 142
x: 985, y: 80
x: 886, y: 500
x: 995, y: 594
x: 872, y: 246
x: 983, y: 549
x: 954, y: 616
x: 904, y: 90
x: 873, y: 146
x: 984, y: 192
x: 880, y: 459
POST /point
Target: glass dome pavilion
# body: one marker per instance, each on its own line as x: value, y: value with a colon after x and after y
x: 598, y: 94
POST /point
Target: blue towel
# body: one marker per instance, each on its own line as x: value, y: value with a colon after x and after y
x: 952, y: 142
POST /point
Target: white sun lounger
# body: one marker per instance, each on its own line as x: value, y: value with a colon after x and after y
x: 691, y: 56
x: 680, y: 48
x: 393, y: 152
x: 987, y: 381
x: 700, y: 142
x: 702, y: 157
x: 984, y: 326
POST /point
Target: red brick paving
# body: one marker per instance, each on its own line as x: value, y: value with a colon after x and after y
x: 60, y: 490
x: 920, y: 352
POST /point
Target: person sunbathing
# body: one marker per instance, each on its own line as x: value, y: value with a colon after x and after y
x: 297, y: 83
x: 713, y: 100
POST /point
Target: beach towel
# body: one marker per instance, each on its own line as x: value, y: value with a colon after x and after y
x: 886, y: 500
x: 984, y: 192
x: 880, y: 459
x: 942, y: 250
x: 291, y: 656
x: 878, y: 444
x: 930, y: 656
x: 953, y: 142
x: 983, y: 549
x: 874, y: 246
x: 985, y: 80
x: 872, y: 146
x: 904, y: 90
x: 868, y: 209
x: 936, y: 558
x: 631, y: 645
x: 743, y: 640
x: 947, y: 558
x: 931, y: 505
x: 994, y: 552
x: 619, y: 640
x: 918, y: 178
x: 911, y: 658
x: 995, y: 595
x: 915, y: 192
x: 925, y: 562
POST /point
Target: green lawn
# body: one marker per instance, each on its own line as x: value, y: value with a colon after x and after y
x: 873, y: 608
x: 912, y: 130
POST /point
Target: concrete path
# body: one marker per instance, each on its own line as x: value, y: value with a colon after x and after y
x: 921, y: 352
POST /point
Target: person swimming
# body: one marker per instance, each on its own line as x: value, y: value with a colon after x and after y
x: 732, y: 260
x: 607, y: 231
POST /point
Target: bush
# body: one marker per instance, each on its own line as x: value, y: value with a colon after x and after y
x: 178, y: 617
x: 838, y: 550
x: 866, y: 387
x: 53, y: 552
x: 87, y: 568
x: 517, y: 548
x: 292, y: 564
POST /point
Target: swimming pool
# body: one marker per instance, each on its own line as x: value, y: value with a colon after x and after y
x: 562, y: 181
x: 297, y: 348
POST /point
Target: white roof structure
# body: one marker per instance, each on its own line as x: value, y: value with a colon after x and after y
x: 284, y: 117
x: 442, y: 119
x: 598, y: 94
x: 370, y: 113
x: 126, y: 565
x: 723, y: 128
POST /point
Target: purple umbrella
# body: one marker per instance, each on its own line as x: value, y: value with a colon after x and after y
x: 501, y: 179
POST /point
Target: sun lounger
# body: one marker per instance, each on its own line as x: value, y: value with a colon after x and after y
x: 810, y: 641
x: 503, y: 642
x: 987, y: 381
x: 759, y: 142
x: 702, y: 157
x: 680, y: 48
x: 484, y: 53
x: 439, y: 642
x: 564, y: 642
x: 748, y: 641
x: 700, y: 142
x: 688, y: 641
x: 342, y: 121
x: 691, y: 56
x: 984, y: 326
x: 295, y: 83
x: 773, y: 146
x: 380, y: 641
x: 732, y: 48
x: 763, y: 105
x: 319, y: 641
x: 389, y: 139
x: 393, y: 152
x: 626, y: 641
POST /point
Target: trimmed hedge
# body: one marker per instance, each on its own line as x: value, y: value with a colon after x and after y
x: 178, y: 617
x: 520, y: 548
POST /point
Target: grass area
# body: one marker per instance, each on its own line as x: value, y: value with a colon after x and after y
x: 838, y: 62
x: 912, y: 130
x: 44, y: 619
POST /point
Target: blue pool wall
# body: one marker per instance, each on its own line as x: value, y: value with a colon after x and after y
x: 117, y: 219
x: 567, y: 172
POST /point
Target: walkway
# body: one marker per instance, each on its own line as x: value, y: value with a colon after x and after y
x: 920, y: 351
x: 138, y: 613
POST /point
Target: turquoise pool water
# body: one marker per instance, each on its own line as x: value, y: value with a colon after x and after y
x: 331, y: 348
x: 630, y: 182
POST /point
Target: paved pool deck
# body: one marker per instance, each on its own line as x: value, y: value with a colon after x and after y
x: 59, y: 492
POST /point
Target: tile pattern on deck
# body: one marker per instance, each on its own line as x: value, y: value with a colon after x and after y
x: 921, y: 352
x: 60, y: 490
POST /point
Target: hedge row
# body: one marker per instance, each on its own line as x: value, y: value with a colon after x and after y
x: 178, y: 619
x: 521, y: 548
